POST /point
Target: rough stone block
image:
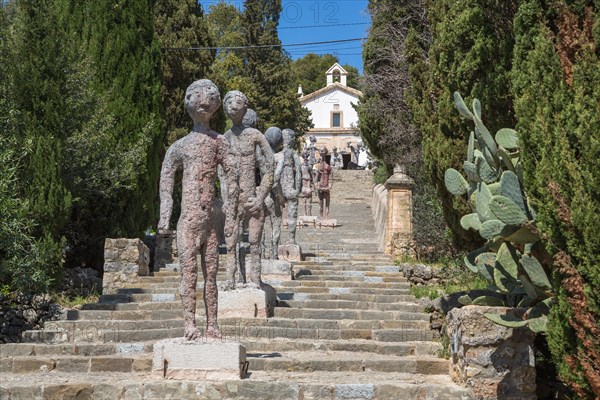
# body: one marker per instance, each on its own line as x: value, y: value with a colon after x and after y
x: 354, y: 391
x: 243, y: 303
x: 212, y: 360
x: 496, y: 362
x: 125, y: 260
x: 289, y: 252
x: 276, y: 271
x: 68, y: 391
x: 111, y: 364
x: 166, y: 250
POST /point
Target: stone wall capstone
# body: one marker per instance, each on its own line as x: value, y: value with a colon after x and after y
x: 125, y: 260
x: 494, y: 361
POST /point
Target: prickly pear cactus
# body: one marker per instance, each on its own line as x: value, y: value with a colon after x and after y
x: 502, y: 215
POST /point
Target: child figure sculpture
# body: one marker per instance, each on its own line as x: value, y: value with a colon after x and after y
x: 245, y: 200
x: 198, y: 154
x: 324, y: 184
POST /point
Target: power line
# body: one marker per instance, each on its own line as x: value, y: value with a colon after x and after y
x: 323, y: 26
x: 261, y: 46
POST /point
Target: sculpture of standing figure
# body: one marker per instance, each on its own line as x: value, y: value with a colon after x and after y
x: 275, y: 200
x: 307, y: 184
x: 311, y: 148
x: 198, y: 154
x: 291, y: 180
x: 324, y: 184
x: 247, y: 205
x: 336, y: 159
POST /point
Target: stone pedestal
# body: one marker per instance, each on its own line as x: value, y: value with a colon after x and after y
x: 125, y: 260
x: 245, y: 303
x: 495, y: 362
x: 189, y: 360
x: 306, y: 221
x: 166, y: 249
x: 327, y: 223
x: 289, y: 252
x: 398, y: 236
x: 274, y: 272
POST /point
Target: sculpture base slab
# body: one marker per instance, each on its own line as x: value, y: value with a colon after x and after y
x: 198, y: 360
x: 306, y: 221
x: 243, y: 303
x: 327, y: 223
x: 289, y: 252
x: 276, y: 271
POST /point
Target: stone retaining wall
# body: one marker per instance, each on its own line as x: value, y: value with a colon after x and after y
x: 493, y: 361
x: 23, y: 312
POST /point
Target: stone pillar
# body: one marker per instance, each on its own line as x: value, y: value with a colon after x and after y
x: 399, y: 229
x: 493, y: 361
x: 166, y: 250
x: 125, y: 260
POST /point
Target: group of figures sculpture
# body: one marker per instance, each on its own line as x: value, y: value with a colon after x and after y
x: 233, y: 158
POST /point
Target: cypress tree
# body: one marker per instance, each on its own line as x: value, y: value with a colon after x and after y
x: 180, y: 24
x: 556, y: 82
x: 119, y: 39
x: 269, y: 70
x: 470, y: 51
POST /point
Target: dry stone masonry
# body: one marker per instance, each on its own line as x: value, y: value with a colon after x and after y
x: 125, y: 261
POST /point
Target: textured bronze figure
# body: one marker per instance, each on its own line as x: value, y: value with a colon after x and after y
x: 291, y: 181
x: 324, y: 184
x: 245, y: 200
x: 198, y: 154
x: 307, y: 183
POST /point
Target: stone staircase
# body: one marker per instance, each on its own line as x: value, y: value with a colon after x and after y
x: 345, y: 328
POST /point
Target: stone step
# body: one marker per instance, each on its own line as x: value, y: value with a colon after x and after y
x: 425, y: 348
x: 374, y: 283
x: 348, y: 297
x: 341, y: 290
x: 127, y: 331
x: 133, y: 306
x: 354, y: 276
x: 266, y: 385
x: 354, y: 305
x: 337, y: 314
x: 93, y: 349
x: 368, y: 270
x: 309, y: 361
x: 80, y: 364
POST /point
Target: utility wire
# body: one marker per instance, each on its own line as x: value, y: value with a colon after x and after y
x: 323, y: 26
x: 263, y: 46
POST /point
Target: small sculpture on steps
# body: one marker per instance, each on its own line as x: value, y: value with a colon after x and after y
x: 198, y: 154
x: 307, y: 183
x: 324, y: 184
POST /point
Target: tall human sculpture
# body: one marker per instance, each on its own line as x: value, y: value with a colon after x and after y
x: 307, y: 184
x: 324, y: 184
x: 275, y: 200
x: 246, y: 201
x: 291, y: 180
x: 198, y: 154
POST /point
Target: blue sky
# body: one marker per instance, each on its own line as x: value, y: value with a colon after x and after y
x: 305, y: 21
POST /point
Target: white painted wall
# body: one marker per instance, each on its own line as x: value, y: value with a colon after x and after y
x: 322, y: 106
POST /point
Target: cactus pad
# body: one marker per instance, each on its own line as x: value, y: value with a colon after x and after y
x: 470, y: 221
x: 460, y: 105
x: 507, y: 211
x: 507, y: 138
x: 455, y: 183
x: 535, y: 271
x: 510, y: 187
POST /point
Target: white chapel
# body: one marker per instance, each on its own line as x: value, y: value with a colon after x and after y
x: 335, y: 120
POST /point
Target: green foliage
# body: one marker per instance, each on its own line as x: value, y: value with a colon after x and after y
x: 556, y: 83
x: 309, y: 71
x: 508, y: 264
x: 467, y: 47
x: 119, y: 40
x: 180, y: 24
